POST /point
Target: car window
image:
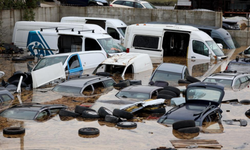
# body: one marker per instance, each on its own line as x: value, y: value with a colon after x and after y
x: 74, y: 62
x: 108, y: 83
x: 112, y: 32
x: 48, y: 61
x: 88, y: 90
x: 240, y: 67
x: 150, y: 42
x: 91, y: 44
x: 244, y: 82
x: 237, y: 84
x: 149, y: 5
x: 217, y: 40
x: 128, y: 3
x: 42, y: 116
x: 118, y: 2
x: 67, y: 89
x: 54, y: 111
x: 5, y: 97
x: 19, y: 114
x: 224, y: 82
x: 186, y: 73
x: 98, y: 88
x: 137, y: 95
x: 138, y: 5
x: 200, y: 48
x: 166, y: 76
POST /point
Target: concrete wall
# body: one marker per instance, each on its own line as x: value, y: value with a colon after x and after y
x: 129, y: 16
x: 241, y: 36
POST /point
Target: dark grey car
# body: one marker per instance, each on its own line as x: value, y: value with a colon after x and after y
x: 202, y: 104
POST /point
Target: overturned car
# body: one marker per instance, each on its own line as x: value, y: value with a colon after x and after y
x: 202, y: 105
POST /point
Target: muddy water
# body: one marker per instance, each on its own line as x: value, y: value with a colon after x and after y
x: 57, y: 133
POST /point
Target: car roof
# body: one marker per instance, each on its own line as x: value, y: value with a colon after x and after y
x: 229, y: 76
x: 33, y: 106
x: 171, y: 67
x: 84, y: 80
x: 141, y: 88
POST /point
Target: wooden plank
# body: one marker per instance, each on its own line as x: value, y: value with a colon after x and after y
x: 191, y: 141
x: 196, y: 143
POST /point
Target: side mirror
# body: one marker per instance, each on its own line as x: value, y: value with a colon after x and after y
x: 220, y: 45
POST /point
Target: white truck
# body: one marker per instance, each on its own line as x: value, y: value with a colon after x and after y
x: 114, y: 27
x: 160, y: 40
x: 22, y: 28
x: 49, y: 42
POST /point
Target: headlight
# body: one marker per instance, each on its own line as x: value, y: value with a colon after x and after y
x: 99, y: 3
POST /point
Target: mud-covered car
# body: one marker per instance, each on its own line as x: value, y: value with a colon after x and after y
x: 32, y: 111
x: 202, y: 105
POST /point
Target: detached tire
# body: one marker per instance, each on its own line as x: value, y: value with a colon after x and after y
x: 88, y: 131
x: 165, y: 96
x: 103, y: 112
x: 189, y: 130
x: 192, y: 79
x: 172, y: 88
x: 66, y: 113
x: 90, y: 114
x: 183, y: 124
x: 245, y: 102
x: 168, y: 92
x: 122, y: 114
x: 126, y: 124
x: 79, y: 109
x: 111, y: 118
x: 13, y: 130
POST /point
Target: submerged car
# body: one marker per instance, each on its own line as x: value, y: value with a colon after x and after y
x: 169, y: 72
x: 240, y: 65
x: 32, y: 111
x: 232, y: 80
x: 202, y: 104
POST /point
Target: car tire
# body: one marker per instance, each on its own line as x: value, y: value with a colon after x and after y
x: 245, y: 102
x: 90, y: 114
x: 164, y: 96
x: 174, y: 89
x: 247, y: 113
x: 13, y: 130
x: 103, y: 111
x: 183, y: 124
x: 192, y: 79
x: 88, y: 131
x: 64, y: 112
x: 122, y: 114
x: 79, y: 109
x: 189, y: 130
x: 168, y: 92
x: 111, y: 118
x: 126, y: 124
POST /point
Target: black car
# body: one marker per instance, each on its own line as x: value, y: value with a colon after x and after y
x: 32, y: 111
x: 202, y: 105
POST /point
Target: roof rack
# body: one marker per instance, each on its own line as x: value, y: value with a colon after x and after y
x: 79, y: 32
x: 56, y: 28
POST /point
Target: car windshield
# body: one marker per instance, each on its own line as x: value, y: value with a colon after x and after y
x: 48, y: 61
x: 19, y: 114
x: 137, y: 95
x: 111, y: 46
x: 217, y: 51
x: 230, y: 43
x: 204, y: 93
x: 122, y: 30
x: 166, y: 76
x: 224, y: 82
x: 149, y: 5
x: 240, y: 67
x: 67, y: 89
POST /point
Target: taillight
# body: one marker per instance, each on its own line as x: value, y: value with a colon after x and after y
x: 110, y: 5
x: 127, y: 51
x: 226, y: 67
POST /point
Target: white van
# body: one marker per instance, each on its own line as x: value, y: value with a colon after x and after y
x: 22, y: 28
x: 52, y: 67
x: 114, y: 27
x: 160, y: 40
x: 49, y: 42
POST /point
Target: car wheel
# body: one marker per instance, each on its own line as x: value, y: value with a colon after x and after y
x: 192, y: 79
x: 64, y: 112
x: 111, y: 118
x: 247, y: 113
x: 174, y: 89
x: 102, y: 111
x: 79, y: 109
x: 88, y: 131
x: 90, y: 114
x: 165, y: 96
x: 183, y: 124
x: 122, y: 114
x: 168, y: 92
x: 245, y: 102
x: 189, y: 130
x: 13, y: 130
x: 126, y: 124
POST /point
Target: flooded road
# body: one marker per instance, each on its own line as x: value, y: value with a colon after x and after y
x: 56, y: 133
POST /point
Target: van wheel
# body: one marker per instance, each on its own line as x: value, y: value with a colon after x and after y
x: 13, y: 130
x: 122, y: 114
x: 192, y: 79
x: 183, y: 124
x: 88, y: 131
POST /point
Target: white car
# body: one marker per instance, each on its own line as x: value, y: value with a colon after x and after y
x: 132, y: 4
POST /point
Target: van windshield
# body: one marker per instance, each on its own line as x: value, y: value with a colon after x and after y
x: 111, y: 46
x: 230, y: 43
x: 48, y: 61
x: 122, y: 30
x: 217, y: 51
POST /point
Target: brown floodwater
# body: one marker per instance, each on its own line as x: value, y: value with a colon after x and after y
x: 57, y: 133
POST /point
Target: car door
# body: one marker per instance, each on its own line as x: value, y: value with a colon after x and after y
x: 74, y: 64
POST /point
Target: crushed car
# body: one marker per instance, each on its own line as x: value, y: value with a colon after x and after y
x: 202, y: 104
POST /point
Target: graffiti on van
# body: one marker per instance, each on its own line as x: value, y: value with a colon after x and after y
x: 37, y: 46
